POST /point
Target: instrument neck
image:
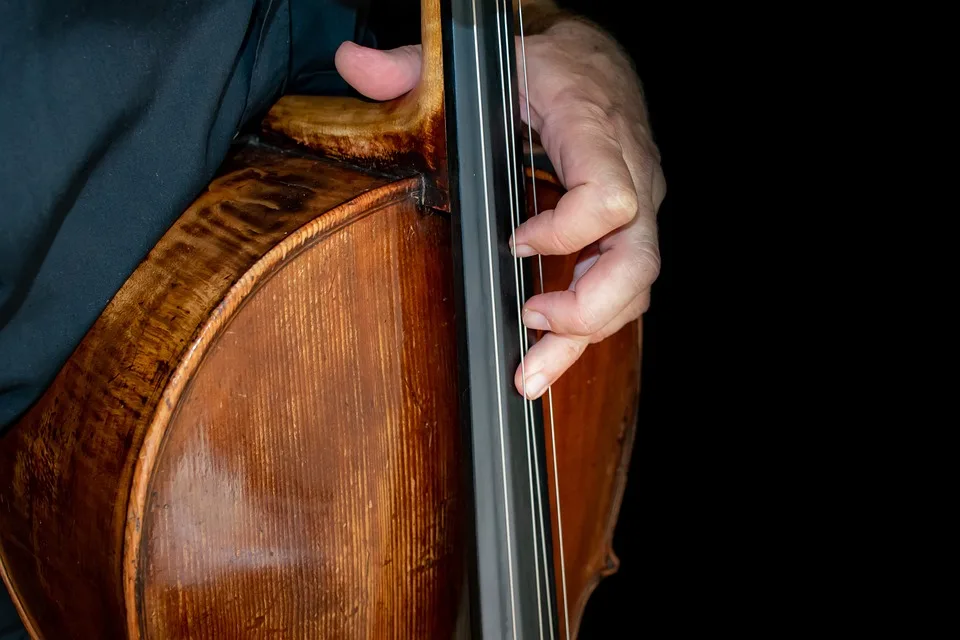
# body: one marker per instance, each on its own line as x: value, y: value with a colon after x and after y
x: 511, y: 562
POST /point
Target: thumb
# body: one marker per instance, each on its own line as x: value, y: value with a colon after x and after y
x: 380, y: 75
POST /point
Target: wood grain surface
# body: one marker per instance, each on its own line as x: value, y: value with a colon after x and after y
x: 307, y: 486
x: 66, y: 468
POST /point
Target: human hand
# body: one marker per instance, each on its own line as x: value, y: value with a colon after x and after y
x: 583, y: 99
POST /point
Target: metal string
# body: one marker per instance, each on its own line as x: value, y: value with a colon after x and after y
x: 553, y: 436
x: 529, y: 423
x: 515, y: 219
x: 533, y: 459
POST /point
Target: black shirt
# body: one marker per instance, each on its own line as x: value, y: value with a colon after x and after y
x: 114, y: 116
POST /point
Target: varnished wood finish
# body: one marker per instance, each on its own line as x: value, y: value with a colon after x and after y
x: 307, y: 485
x: 594, y: 420
x: 259, y: 436
x: 406, y: 132
x: 66, y: 469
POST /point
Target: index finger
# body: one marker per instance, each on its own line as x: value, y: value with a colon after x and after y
x: 601, y: 196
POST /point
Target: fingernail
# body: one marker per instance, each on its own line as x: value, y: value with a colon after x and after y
x: 535, y: 385
x: 534, y: 320
x: 523, y: 251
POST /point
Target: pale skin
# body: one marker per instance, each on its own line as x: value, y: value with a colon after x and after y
x: 586, y: 104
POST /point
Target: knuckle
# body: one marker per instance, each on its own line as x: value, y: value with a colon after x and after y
x: 561, y: 240
x: 620, y: 204
x: 659, y: 189
x: 634, y: 310
x: 616, y: 115
x: 643, y: 305
x: 643, y: 268
x: 604, y: 333
x: 587, y: 321
x: 573, y: 349
x: 638, y: 307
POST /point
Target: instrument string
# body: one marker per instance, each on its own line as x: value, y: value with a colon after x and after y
x: 492, y: 256
x: 553, y: 436
x: 515, y: 220
x: 538, y: 515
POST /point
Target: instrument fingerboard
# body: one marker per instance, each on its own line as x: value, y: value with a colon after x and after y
x: 511, y: 562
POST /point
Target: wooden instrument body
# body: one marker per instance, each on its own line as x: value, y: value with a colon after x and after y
x: 259, y: 437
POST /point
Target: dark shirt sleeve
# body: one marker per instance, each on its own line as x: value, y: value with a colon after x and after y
x: 114, y: 116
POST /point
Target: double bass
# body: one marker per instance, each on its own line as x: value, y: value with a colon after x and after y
x: 297, y: 419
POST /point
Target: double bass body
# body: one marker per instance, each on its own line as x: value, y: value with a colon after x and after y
x: 260, y: 437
